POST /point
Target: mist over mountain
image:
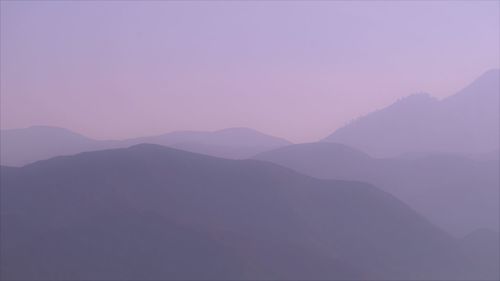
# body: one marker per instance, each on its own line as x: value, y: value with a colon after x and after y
x: 23, y: 146
x: 151, y: 212
x: 456, y: 193
x: 465, y: 123
x: 233, y: 143
x: 155, y: 170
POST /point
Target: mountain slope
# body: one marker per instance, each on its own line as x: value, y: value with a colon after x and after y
x: 484, y: 246
x: 23, y: 146
x: 232, y: 143
x: 457, y: 193
x: 466, y: 123
x: 153, y: 212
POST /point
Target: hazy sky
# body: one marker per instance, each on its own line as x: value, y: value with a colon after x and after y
x: 299, y: 70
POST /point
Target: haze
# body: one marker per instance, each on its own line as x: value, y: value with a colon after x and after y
x: 250, y: 140
x: 298, y: 70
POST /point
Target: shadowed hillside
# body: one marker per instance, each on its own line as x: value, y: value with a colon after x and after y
x: 457, y: 193
x: 150, y: 212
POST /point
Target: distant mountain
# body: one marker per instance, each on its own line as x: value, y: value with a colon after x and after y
x: 456, y: 193
x: 467, y: 123
x: 233, y: 143
x: 151, y: 212
x: 23, y: 146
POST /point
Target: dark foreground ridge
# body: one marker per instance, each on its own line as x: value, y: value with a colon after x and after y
x: 149, y: 212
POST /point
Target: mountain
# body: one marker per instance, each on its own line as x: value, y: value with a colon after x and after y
x: 233, y: 143
x: 22, y: 146
x: 456, y: 193
x: 484, y: 246
x: 466, y: 123
x: 151, y: 212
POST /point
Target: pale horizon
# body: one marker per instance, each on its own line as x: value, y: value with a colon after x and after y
x: 296, y: 70
x: 249, y: 140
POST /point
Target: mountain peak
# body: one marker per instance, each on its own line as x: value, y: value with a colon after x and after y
x: 148, y: 146
x: 42, y: 132
x: 419, y: 98
x: 249, y: 132
x: 237, y: 129
x: 465, y: 123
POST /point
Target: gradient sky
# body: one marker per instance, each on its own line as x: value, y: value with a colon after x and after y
x: 299, y: 70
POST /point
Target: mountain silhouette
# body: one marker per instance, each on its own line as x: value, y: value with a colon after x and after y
x: 22, y: 146
x: 233, y: 143
x: 456, y: 193
x: 466, y: 123
x: 152, y: 212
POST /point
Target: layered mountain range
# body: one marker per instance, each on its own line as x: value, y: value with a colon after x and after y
x: 28, y: 145
x: 150, y: 212
x: 409, y: 192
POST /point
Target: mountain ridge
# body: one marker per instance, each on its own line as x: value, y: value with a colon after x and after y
x: 466, y: 123
x: 416, y: 180
x: 27, y: 145
x: 217, y: 197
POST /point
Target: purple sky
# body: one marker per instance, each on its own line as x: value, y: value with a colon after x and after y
x: 293, y: 69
